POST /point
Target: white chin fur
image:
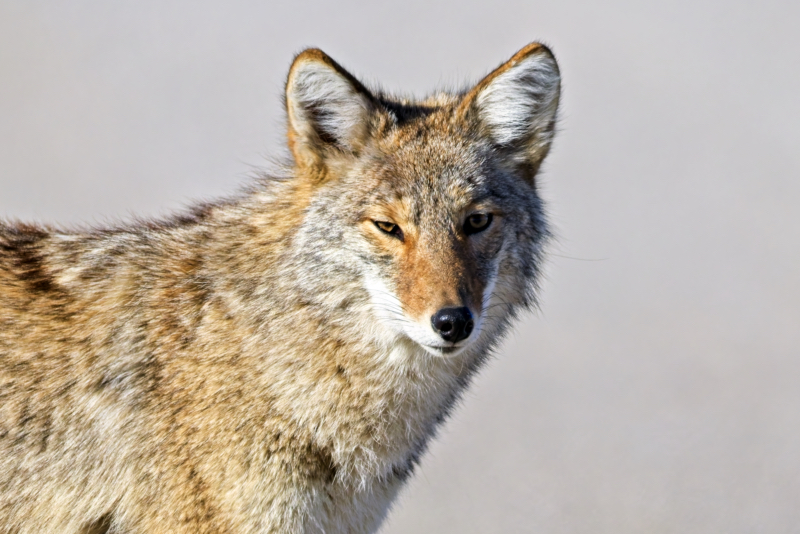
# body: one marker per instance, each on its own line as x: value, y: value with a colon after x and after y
x: 445, y: 352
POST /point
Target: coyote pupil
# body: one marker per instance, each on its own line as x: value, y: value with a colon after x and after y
x: 276, y: 362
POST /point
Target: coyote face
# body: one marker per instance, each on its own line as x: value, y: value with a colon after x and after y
x: 435, y: 226
x: 436, y: 199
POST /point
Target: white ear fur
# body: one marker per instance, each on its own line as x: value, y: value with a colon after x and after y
x: 323, y: 105
x: 519, y: 104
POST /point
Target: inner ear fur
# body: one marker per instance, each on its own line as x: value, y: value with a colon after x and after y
x: 327, y: 108
x: 516, y: 105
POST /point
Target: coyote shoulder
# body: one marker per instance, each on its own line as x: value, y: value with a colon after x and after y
x: 276, y: 362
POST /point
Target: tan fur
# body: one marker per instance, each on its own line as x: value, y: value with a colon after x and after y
x: 261, y: 364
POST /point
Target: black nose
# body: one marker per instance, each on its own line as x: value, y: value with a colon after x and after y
x: 453, y: 324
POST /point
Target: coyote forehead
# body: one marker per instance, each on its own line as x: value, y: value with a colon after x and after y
x: 277, y: 362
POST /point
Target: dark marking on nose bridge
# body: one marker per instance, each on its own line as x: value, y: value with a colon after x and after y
x: 456, y: 275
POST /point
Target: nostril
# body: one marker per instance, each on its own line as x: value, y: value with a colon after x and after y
x: 453, y: 324
x: 468, y: 327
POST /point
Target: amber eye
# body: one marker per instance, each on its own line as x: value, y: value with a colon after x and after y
x: 477, y: 222
x: 390, y: 228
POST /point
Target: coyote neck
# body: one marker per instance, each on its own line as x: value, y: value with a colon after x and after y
x: 370, y: 396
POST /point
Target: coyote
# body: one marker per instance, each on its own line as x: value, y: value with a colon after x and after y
x: 278, y: 361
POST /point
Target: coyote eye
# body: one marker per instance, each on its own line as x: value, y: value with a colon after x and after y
x: 477, y: 222
x: 390, y: 228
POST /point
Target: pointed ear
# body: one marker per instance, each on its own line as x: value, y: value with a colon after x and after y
x: 327, y: 108
x: 515, y: 107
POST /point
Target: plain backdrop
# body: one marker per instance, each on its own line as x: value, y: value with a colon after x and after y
x: 658, y: 389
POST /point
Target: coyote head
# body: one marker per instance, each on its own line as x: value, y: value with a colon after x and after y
x: 431, y: 204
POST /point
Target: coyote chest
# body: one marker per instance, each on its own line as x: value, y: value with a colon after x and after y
x: 276, y: 362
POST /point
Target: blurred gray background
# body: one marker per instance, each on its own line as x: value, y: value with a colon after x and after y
x: 658, y: 390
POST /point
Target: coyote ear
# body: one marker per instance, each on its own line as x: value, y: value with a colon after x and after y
x: 327, y: 108
x: 516, y: 106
